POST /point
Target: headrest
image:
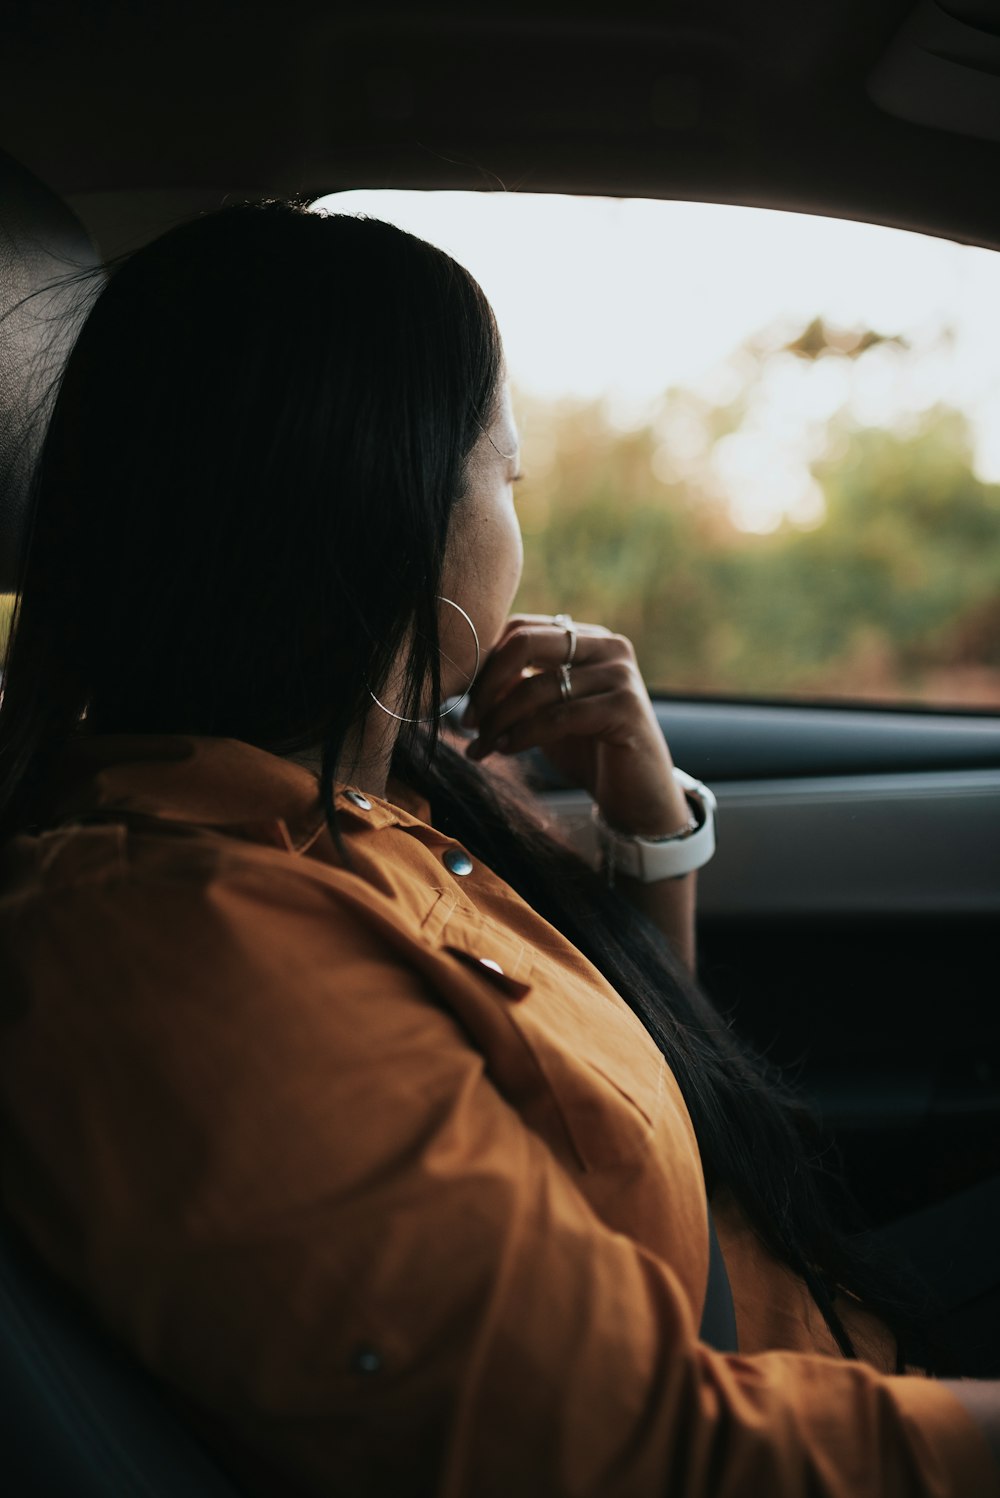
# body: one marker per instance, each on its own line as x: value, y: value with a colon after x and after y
x: 43, y: 250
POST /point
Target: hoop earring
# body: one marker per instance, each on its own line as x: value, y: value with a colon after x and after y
x: 445, y: 710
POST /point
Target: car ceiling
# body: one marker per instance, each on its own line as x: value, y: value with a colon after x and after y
x: 874, y: 109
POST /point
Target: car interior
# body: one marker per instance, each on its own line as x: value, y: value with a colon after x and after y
x: 848, y: 923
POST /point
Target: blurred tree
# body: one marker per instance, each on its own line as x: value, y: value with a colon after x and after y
x: 893, y: 595
x: 818, y: 339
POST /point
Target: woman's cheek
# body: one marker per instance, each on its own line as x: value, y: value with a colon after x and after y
x: 518, y: 564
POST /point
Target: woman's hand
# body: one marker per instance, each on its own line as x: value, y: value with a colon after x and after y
x: 604, y: 736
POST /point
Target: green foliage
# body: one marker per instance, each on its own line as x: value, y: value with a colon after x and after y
x: 867, y: 601
x: 894, y: 595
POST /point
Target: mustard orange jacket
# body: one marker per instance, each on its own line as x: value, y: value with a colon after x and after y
x: 374, y: 1166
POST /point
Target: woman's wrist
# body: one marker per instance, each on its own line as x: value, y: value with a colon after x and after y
x: 653, y: 822
x: 649, y: 857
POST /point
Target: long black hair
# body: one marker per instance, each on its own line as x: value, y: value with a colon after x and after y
x: 244, y: 492
x: 239, y: 521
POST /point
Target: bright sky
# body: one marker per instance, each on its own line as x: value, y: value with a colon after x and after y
x: 625, y: 298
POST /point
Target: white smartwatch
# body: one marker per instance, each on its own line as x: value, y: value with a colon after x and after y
x: 651, y: 858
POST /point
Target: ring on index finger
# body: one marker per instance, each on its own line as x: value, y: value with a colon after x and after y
x: 565, y: 622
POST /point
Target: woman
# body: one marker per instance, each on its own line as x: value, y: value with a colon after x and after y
x: 378, y: 1125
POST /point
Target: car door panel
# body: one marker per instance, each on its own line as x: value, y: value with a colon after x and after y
x: 848, y: 922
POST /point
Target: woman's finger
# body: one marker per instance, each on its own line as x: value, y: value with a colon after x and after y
x: 603, y: 716
x: 550, y: 632
x: 536, y: 694
x: 536, y: 646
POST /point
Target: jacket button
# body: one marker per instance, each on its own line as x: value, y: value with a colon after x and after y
x: 358, y: 800
x: 457, y: 861
x: 366, y: 1359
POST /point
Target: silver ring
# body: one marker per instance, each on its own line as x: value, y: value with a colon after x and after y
x: 565, y: 622
x: 565, y: 684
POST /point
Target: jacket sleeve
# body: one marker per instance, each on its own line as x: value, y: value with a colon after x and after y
x: 280, y: 1171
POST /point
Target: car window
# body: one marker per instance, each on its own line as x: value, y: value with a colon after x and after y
x: 765, y: 445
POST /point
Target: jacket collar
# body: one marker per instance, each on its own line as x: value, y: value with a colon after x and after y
x: 224, y: 784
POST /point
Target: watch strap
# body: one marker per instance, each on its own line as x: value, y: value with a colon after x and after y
x: 650, y: 859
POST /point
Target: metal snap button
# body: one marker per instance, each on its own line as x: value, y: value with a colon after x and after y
x: 358, y: 800
x: 457, y: 861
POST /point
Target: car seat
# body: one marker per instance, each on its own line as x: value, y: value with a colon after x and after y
x: 80, y: 1416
